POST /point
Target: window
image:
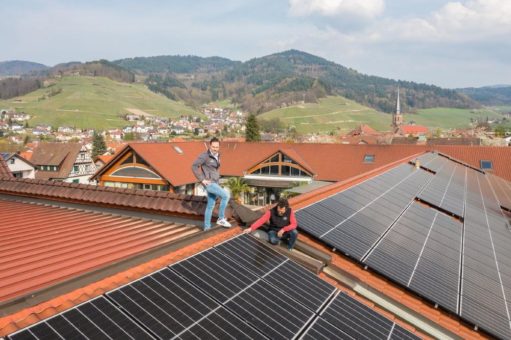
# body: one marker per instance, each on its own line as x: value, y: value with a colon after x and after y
x: 75, y: 168
x: 486, y: 165
x: 76, y: 181
x: 369, y: 159
x: 12, y: 160
x: 128, y: 160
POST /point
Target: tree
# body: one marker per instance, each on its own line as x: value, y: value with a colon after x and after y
x: 252, y: 133
x: 237, y: 187
x: 500, y: 131
x: 98, y: 144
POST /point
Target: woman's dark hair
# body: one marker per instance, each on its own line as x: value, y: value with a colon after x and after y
x: 283, y: 203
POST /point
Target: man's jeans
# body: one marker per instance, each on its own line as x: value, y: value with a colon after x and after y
x: 214, y: 190
x: 289, y: 236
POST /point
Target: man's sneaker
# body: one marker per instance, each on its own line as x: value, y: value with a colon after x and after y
x: 223, y: 222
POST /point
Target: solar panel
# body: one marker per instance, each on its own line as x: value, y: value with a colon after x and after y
x: 163, y: 302
x: 323, y: 330
x: 347, y: 318
x: 485, y: 257
x: 216, y: 274
x: 278, y: 301
x: 296, y: 281
x: 96, y: 319
x: 251, y: 254
x: 447, y: 189
x: 221, y: 324
x: 461, y: 263
x: 277, y: 315
x: 356, y: 234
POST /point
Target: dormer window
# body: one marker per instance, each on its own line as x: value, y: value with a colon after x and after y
x: 486, y: 164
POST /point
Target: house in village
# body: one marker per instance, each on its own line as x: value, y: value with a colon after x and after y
x: 18, y: 165
x: 67, y: 162
x: 267, y: 168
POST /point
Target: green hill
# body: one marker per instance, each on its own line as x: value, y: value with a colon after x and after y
x: 19, y: 67
x: 335, y: 113
x: 263, y: 84
x: 329, y: 114
x: 92, y: 102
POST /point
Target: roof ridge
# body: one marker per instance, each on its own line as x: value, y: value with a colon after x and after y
x: 163, y: 201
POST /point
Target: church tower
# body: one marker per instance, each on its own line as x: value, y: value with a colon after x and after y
x: 397, y: 118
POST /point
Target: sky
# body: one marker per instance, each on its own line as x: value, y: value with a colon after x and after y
x: 464, y: 43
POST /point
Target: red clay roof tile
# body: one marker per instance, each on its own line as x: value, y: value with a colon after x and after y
x: 165, y: 202
x: 52, y: 244
x: 5, y: 172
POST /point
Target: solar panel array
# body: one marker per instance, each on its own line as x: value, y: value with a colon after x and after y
x: 346, y: 318
x: 239, y: 289
x: 439, y: 231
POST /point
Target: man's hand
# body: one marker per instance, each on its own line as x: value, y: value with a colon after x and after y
x: 206, y: 182
x: 247, y: 231
x: 280, y: 233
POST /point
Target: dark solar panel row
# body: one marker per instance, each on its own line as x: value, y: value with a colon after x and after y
x: 485, y: 259
x: 446, y: 189
x: 219, y: 295
x: 425, y: 249
x: 502, y: 190
x: 435, y: 163
x: 347, y: 318
x: 353, y: 220
x: 425, y: 158
x: 422, y: 252
x: 96, y: 319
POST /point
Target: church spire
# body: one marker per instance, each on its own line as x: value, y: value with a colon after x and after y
x: 398, y: 106
x: 397, y: 118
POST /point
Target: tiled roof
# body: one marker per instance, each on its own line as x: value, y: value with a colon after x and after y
x: 142, y: 200
x: 59, y: 154
x: 413, y: 129
x: 454, y: 141
x: 5, y: 172
x: 330, y: 162
x: 31, y: 315
x: 27, y: 155
x: 105, y: 158
x: 363, y: 129
x: 472, y: 155
x: 45, y: 245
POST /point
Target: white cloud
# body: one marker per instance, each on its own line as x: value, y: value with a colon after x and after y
x: 360, y: 8
x: 469, y: 21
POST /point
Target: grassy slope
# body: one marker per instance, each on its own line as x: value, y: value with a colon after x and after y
x: 338, y: 112
x: 93, y: 102
x: 328, y: 115
x: 449, y: 118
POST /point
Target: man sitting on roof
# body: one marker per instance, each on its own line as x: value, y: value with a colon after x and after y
x: 281, y: 224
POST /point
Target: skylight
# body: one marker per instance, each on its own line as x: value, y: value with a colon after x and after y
x: 369, y: 159
x: 486, y: 164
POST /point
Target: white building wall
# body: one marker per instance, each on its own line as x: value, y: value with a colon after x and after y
x: 17, y: 165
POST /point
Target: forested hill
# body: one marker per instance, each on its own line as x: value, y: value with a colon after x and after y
x: 19, y: 67
x: 490, y: 95
x: 282, y: 79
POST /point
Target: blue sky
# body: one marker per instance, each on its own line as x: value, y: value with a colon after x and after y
x: 447, y: 43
